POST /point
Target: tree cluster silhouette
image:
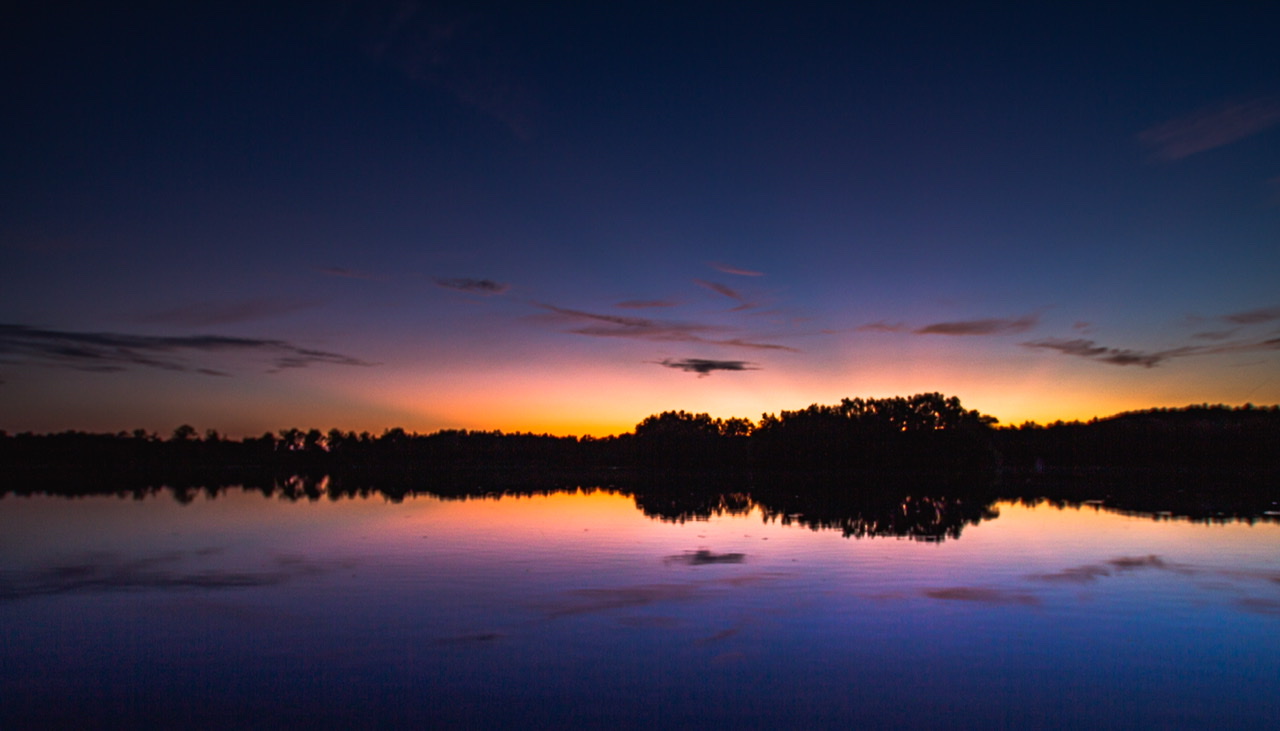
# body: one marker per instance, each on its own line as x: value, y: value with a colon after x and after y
x: 925, y: 434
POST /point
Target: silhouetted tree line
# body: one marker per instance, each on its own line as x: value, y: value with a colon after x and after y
x: 925, y: 434
x: 1194, y: 440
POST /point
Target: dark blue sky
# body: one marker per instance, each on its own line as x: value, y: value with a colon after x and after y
x: 496, y: 216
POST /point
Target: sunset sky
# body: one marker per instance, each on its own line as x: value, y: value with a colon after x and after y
x: 563, y: 218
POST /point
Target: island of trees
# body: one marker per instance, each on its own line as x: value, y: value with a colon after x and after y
x: 922, y: 434
x: 921, y: 466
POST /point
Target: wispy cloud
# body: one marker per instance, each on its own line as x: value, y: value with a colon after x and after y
x: 744, y: 302
x: 644, y: 328
x: 719, y: 288
x: 704, y: 367
x: 883, y: 327
x: 1240, y: 346
x: 990, y: 326
x: 735, y: 270
x: 1254, y: 317
x: 1211, y: 127
x: 1214, y: 335
x: 1082, y: 348
x: 209, y: 314
x: 474, y: 286
x: 108, y: 352
x: 646, y: 304
x: 603, y: 325
x: 740, y: 343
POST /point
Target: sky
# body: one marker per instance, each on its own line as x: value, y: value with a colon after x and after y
x: 565, y: 217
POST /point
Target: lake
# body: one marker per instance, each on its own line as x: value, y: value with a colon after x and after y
x: 235, y: 608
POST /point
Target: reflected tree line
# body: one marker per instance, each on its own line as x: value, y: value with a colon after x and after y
x: 921, y: 467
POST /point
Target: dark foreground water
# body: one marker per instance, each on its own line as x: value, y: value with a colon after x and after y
x: 578, y: 610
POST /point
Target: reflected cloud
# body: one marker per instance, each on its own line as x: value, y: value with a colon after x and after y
x: 704, y: 367
x: 109, y: 352
x: 1075, y: 574
x: 590, y: 601
x: 109, y: 573
x: 1092, y: 572
x: 473, y: 286
x: 723, y: 634
x: 1259, y: 605
x: 1211, y: 127
x: 982, y: 594
x: 704, y: 557
x: 1126, y: 563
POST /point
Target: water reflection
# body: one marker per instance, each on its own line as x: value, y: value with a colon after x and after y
x: 862, y: 506
x: 461, y: 607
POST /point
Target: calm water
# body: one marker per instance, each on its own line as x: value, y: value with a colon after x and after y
x: 577, y: 609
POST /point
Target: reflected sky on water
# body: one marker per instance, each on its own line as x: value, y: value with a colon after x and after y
x: 576, y: 608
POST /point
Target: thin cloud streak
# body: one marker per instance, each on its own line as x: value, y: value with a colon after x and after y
x: 1254, y: 317
x: 718, y: 288
x: 210, y: 314
x: 740, y: 343
x: 990, y: 326
x: 643, y: 328
x: 474, y: 286
x: 106, y: 352
x: 646, y: 304
x: 705, y: 367
x: 1082, y: 348
x: 1211, y: 127
x: 1214, y: 335
x: 883, y: 327
x: 735, y: 270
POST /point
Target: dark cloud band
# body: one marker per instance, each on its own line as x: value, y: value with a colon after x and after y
x: 705, y: 367
x: 106, y: 352
x: 990, y: 326
x: 475, y: 286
